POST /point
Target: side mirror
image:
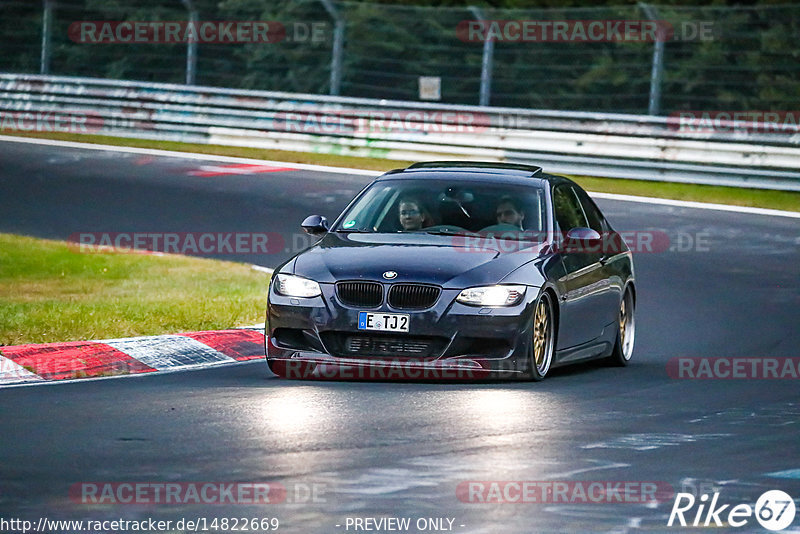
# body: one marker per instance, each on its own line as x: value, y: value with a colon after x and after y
x: 582, y: 240
x: 315, y: 225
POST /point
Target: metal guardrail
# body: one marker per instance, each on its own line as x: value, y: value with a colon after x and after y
x: 593, y: 144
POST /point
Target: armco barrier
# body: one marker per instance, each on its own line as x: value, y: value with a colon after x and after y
x: 595, y: 144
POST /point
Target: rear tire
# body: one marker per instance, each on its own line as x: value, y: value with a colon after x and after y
x: 542, y: 343
x: 626, y: 332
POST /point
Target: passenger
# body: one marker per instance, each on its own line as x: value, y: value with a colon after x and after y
x: 510, y: 212
x: 413, y: 215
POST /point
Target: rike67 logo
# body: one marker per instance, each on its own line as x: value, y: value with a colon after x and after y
x: 774, y: 510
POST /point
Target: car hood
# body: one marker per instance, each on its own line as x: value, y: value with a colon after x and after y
x: 449, y: 261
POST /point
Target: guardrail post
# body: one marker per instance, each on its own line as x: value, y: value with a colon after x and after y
x: 191, y: 46
x: 338, y: 46
x: 486, y: 62
x: 656, y: 73
x: 47, y: 23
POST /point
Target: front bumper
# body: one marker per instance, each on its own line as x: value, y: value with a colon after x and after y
x: 318, y: 338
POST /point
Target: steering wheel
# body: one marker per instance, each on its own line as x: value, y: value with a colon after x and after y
x: 501, y: 227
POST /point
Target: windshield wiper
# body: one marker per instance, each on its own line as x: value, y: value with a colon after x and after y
x: 445, y: 231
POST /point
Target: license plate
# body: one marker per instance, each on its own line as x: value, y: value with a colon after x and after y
x: 385, y: 322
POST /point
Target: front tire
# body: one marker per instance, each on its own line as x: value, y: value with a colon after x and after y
x: 626, y: 332
x: 542, y: 338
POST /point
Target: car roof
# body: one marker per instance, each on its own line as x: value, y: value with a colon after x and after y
x: 490, y: 171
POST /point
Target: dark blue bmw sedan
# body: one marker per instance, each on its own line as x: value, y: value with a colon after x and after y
x: 454, y: 270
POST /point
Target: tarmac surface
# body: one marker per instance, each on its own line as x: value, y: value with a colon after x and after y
x: 727, y: 287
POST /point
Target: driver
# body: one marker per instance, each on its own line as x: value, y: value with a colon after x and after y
x: 510, y: 212
x: 412, y: 213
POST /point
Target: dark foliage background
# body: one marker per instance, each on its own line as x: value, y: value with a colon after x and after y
x: 750, y: 64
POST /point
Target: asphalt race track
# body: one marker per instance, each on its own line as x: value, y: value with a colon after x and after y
x: 728, y: 286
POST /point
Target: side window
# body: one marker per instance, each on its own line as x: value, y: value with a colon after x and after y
x: 568, y: 210
x: 593, y: 215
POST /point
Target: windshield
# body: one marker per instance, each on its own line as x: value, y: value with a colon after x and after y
x: 448, y: 207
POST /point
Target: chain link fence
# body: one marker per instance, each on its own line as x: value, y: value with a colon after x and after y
x: 703, y: 58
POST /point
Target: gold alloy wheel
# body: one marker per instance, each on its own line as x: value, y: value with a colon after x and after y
x: 627, y: 326
x: 541, y: 333
x: 623, y: 323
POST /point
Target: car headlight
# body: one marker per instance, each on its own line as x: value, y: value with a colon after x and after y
x: 296, y: 286
x: 491, y: 295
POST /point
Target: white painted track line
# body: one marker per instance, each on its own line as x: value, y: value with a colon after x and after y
x: 362, y: 172
x: 698, y: 205
x: 186, y: 155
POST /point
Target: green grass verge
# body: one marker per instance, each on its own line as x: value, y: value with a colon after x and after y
x: 50, y: 292
x: 781, y: 200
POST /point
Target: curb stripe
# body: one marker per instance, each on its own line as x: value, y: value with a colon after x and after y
x: 12, y: 373
x: 76, y: 359
x: 236, y: 169
x: 169, y: 352
x: 241, y: 345
x: 34, y: 364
